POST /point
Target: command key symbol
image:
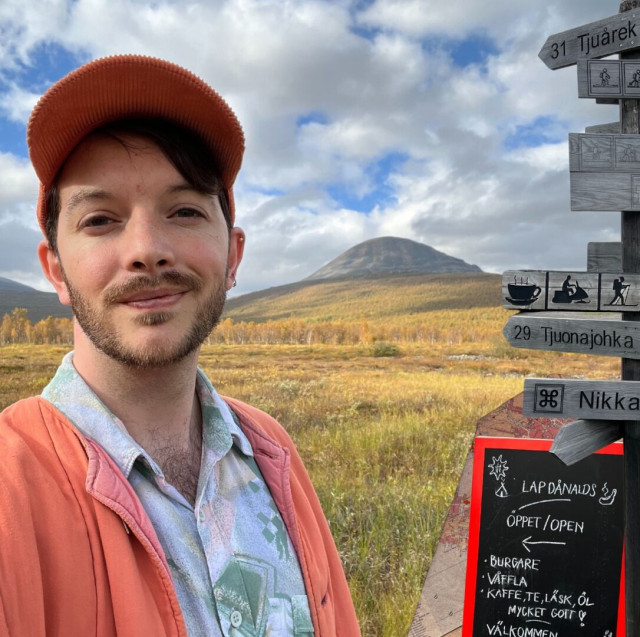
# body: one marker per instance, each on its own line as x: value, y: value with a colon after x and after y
x: 548, y: 398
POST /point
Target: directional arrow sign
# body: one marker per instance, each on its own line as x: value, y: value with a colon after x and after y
x: 605, y: 171
x: 611, y: 127
x: 577, y: 440
x: 605, y: 337
x: 594, y: 40
x: 571, y: 291
x: 586, y: 399
x: 605, y: 191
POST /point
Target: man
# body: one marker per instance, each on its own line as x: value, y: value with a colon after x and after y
x: 135, y: 500
x: 619, y: 287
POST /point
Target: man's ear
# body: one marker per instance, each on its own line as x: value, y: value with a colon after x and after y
x: 52, y: 269
x: 236, y: 250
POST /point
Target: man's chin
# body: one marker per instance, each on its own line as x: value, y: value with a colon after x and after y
x: 150, y: 355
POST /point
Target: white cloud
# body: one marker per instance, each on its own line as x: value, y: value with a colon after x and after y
x: 17, y: 103
x: 465, y: 187
x: 18, y: 183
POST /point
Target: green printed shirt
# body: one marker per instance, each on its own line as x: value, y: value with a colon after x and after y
x: 233, y: 565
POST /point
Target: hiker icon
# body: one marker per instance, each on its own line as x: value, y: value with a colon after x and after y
x: 604, y: 78
x: 621, y: 291
x: 635, y: 83
x: 571, y: 293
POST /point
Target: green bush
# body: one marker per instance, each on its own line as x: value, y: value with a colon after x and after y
x: 383, y: 349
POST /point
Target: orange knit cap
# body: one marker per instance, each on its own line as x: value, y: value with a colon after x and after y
x: 127, y: 86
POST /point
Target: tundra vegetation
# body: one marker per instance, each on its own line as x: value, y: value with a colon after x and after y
x: 381, y: 405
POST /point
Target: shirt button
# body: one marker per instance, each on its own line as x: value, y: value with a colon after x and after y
x: 236, y: 618
x: 201, y: 516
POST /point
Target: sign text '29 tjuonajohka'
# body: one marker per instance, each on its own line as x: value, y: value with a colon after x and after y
x: 603, y: 337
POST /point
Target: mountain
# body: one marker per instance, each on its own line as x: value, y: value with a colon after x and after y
x: 38, y: 304
x: 390, y: 256
x: 371, y: 298
x: 380, y: 277
x: 7, y: 285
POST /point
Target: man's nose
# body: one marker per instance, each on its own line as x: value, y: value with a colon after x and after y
x: 148, y: 245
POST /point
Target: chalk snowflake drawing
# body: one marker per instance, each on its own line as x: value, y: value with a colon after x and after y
x: 498, y: 468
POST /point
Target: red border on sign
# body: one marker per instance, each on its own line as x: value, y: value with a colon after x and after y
x: 481, y: 444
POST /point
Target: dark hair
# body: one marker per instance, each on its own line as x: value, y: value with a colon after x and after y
x: 184, y: 149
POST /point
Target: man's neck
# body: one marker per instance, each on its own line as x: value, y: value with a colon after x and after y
x: 158, y: 406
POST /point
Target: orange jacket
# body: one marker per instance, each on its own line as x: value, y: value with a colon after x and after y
x: 79, y: 556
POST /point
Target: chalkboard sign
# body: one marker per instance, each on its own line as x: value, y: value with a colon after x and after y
x: 545, y: 544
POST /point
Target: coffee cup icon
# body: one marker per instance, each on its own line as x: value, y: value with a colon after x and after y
x: 523, y: 293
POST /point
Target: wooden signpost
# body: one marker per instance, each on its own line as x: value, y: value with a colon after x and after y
x: 587, y: 399
x: 610, y: 128
x: 604, y: 256
x: 604, y: 175
x: 604, y: 153
x: 503, y: 596
x: 594, y: 40
x: 608, y: 78
x: 571, y: 291
x: 605, y: 172
x: 546, y: 331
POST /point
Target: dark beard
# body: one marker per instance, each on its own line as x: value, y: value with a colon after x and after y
x: 100, y: 332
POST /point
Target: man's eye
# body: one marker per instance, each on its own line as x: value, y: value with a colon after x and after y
x: 95, y: 222
x: 188, y: 212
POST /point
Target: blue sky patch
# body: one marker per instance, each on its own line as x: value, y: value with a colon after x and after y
x: 49, y: 62
x: 13, y: 136
x: 474, y: 49
x: 542, y: 130
x: 314, y: 117
x: 270, y: 192
x: 380, y: 195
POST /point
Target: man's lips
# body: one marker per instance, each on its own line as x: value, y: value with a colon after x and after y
x: 153, y: 298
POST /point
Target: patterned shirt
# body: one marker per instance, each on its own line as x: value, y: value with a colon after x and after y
x: 233, y: 565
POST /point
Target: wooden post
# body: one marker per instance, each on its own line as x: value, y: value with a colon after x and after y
x: 630, y: 234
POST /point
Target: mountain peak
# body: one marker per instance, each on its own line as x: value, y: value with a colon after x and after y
x: 387, y: 256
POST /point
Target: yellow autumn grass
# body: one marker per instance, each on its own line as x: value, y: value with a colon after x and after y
x: 384, y: 438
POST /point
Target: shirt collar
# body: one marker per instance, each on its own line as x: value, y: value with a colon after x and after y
x: 75, y: 399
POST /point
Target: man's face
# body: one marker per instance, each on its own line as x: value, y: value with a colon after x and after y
x: 143, y: 259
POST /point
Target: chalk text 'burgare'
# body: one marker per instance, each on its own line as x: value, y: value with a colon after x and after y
x: 589, y: 42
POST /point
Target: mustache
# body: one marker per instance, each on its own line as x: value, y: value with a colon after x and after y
x: 140, y: 283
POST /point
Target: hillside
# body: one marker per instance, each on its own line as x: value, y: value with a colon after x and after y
x: 7, y: 285
x: 39, y: 305
x: 386, y: 256
x: 380, y: 298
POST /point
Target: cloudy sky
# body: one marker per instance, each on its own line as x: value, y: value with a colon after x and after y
x: 433, y: 121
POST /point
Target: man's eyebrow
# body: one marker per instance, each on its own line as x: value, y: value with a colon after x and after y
x: 86, y: 194
x: 180, y: 187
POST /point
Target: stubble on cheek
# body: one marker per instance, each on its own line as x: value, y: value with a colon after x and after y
x: 97, y: 324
